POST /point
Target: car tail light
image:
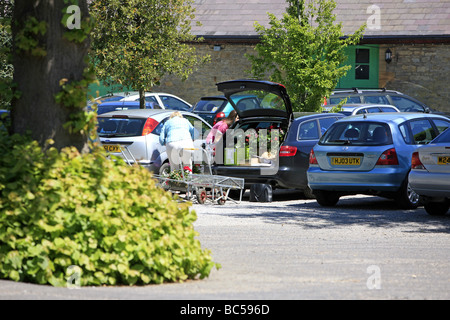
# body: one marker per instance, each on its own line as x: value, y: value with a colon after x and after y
x: 218, y: 117
x: 312, y: 158
x: 416, y: 163
x: 149, y: 126
x: 388, y: 158
x: 288, y: 151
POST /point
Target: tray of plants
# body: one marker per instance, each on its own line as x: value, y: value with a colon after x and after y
x: 196, y: 184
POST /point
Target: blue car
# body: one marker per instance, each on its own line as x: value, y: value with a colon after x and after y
x: 371, y: 154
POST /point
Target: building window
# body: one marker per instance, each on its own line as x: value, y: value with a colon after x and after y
x: 362, y: 67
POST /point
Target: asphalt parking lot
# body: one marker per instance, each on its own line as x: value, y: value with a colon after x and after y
x: 293, y: 249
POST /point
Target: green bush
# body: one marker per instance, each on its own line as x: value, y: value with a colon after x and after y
x: 63, y: 209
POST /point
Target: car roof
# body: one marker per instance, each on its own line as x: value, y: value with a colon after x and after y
x: 394, y: 117
x: 143, y: 113
x: 362, y: 90
x: 311, y: 115
x: 123, y: 103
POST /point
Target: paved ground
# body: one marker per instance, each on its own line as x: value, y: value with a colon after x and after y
x: 294, y: 249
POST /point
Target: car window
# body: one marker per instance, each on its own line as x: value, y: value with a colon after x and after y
x: 120, y: 127
x: 308, y: 131
x: 198, y: 125
x: 406, y: 105
x: 443, y: 138
x: 387, y: 109
x: 150, y: 99
x: 211, y: 106
x: 373, y: 110
x: 361, y: 111
x: 174, y: 103
x: 358, y: 133
x: 441, y: 125
x: 406, y: 133
x: 422, y: 131
x: 353, y: 99
x: 325, y: 123
x: 376, y: 99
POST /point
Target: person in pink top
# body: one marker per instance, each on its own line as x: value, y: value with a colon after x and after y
x: 221, y: 127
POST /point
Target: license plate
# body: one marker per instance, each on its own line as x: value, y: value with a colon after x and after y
x: 112, y: 148
x: 444, y: 160
x: 346, y: 161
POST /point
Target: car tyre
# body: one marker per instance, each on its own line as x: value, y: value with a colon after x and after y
x: 437, y: 208
x: 164, y: 170
x: 407, y: 198
x: 326, y: 198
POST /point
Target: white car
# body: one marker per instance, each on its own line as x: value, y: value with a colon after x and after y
x: 165, y: 100
x: 134, y: 135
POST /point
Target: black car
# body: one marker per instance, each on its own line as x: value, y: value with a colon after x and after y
x: 402, y: 101
x: 269, y: 144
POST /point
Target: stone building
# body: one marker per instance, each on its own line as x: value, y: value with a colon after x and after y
x: 416, y: 32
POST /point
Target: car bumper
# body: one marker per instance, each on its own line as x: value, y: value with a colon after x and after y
x: 376, y: 180
x: 282, y: 177
x: 430, y: 184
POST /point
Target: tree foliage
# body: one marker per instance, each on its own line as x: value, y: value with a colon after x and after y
x: 137, y: 42
x: 6, y: 68
x: 304, y: 50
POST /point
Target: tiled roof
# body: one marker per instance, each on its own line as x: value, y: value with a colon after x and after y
x: 235, y: 18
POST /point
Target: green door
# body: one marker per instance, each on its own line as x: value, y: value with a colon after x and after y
x: 364, y: 61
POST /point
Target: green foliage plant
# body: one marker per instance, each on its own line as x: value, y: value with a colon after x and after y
x: 136, y: 42
x: 65, y: 209
x: 304, y: 50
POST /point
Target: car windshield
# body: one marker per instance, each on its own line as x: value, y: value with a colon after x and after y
x: 209, y: 106
x: 444, y: 137
x: 120, y: 127
x: 258, y: 99
x: 358, y: 133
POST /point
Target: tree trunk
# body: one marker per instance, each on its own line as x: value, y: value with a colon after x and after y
x: 38, y: 76
x: 141, y: 99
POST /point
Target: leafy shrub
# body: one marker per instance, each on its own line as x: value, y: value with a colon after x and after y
x: 63, y: 209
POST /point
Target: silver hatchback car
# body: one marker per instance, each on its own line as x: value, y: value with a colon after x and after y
x: 134, y: 135
x: 430, y: 174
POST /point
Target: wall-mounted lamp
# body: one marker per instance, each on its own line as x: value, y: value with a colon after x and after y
x: 388, y: 55
x: 217, y: 47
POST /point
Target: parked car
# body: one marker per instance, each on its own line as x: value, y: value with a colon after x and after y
x: 214, y: 108
x: 134, y: 135
x: 371, y: 154
x: 165, y: 100
x: 356, y: 108
x: 123, y: 105
x: 430, y: 174
x: 402, y: 101
x: 265, y: 110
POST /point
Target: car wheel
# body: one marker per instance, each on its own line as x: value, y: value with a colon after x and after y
x: 164, y: 170
x: 326, y: 198
x: 437, y: 208
x: 406, y: 197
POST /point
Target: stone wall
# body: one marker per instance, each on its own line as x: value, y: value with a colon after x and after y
x: 227, y: 64
x: 421, y: 71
